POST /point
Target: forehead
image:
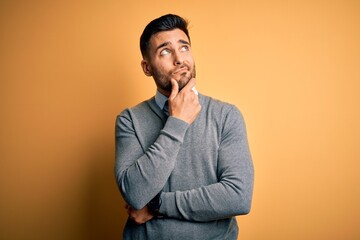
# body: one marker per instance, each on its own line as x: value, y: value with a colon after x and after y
x: 172, y: 36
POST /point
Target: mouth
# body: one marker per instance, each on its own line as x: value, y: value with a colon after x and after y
x: 181, y: 70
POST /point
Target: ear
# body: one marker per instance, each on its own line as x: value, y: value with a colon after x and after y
x: 146, y: 67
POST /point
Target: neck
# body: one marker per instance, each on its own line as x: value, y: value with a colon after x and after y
x: 164, y: 92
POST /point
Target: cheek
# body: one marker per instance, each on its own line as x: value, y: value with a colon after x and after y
x: 189, y: 59
x: 163, y: 65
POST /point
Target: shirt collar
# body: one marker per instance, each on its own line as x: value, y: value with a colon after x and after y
x: 160, y: 100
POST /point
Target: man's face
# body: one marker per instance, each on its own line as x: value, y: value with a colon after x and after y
x: 169, y: 57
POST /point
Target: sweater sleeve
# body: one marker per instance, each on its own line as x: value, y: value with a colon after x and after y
x: 232, y: 194
x: 140, y: 174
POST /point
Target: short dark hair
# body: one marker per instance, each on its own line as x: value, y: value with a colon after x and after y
x: 164, y: 23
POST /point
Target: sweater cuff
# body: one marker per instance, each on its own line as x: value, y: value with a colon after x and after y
x: 175, y: 128
x: 168, y: 205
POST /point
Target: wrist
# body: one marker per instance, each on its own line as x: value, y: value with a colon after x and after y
x: 154, y: 205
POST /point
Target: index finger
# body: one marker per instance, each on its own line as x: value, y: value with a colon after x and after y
x: 174, y: 89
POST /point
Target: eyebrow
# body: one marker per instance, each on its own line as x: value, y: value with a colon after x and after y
x: 162, y: 45
x: 184, y: 42
x: 168, y: 43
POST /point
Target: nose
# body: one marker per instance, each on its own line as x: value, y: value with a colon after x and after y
x: 178, y: 59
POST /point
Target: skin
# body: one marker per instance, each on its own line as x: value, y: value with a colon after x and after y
x: 169, y: 57
x: 171, y: 64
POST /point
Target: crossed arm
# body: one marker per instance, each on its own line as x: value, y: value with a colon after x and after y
x: 141, y: 175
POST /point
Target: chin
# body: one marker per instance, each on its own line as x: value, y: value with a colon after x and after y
x: 182, y: 83
x: 184, y: 80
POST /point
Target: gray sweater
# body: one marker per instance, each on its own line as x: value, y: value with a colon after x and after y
x: 204, y: 170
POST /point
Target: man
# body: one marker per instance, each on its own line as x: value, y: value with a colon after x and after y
x: 183, y: 164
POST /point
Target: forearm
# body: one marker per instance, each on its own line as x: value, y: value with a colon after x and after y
x: 229, y: 197
x: 142, y: 174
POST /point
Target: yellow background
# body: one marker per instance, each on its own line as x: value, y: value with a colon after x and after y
x: 67, y: 68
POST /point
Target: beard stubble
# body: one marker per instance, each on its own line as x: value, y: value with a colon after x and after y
x: 163, y: 81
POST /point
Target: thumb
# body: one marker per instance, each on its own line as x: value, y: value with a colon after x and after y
x: 174, y: 89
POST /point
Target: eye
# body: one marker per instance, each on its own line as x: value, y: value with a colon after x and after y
x: 165, y: 52
x: 185, y: 48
